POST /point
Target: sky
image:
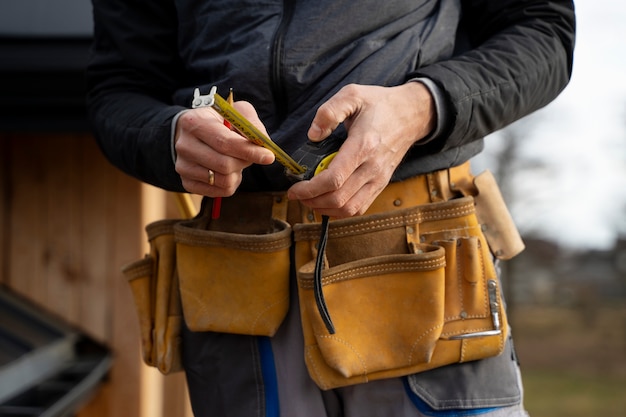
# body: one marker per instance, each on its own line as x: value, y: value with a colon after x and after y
x: 578, y: 197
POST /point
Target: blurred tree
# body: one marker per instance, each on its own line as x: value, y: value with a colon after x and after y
x: 510, y: 166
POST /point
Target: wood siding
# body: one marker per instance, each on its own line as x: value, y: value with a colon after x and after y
x: 68, y: 221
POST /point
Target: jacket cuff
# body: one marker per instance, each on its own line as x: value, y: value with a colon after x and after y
x: 442, y: 113
x: 173, y: 134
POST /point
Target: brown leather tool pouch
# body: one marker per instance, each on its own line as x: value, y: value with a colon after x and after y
x: 407, y: 290
x: 154, y: 284
x: 234, y: 270
x: 498, y: 226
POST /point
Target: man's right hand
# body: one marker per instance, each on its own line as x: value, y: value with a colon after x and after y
x: 208, y: 151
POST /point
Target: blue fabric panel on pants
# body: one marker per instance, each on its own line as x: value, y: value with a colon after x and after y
x: 270, y: 381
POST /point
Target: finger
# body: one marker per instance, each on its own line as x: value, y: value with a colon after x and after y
x: 196, y: 158
x: 352, y: 200
x: 235, y: 146
x: 201, y: 173
x: 204, y: 126
x: 350, y: 157
x: 344, y: 189
x: 248, y: 111
x: 330, y: 189
x: 336, y: 110
x: 221, y: 186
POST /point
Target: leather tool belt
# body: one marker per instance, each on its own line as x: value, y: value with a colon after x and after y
x: 410, y: 285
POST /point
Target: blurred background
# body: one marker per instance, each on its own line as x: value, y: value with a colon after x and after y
x: 69, y: 221
x: 563, y: 173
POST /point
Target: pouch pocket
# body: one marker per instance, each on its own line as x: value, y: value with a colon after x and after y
x: 154, y: 284
x: 233, y: 282
x: 141, y: 279
x: 407, y: 291
x: 387, y: 310
x: 474, y: 311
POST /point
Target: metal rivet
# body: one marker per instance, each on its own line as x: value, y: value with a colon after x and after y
x: 310, y: 216
x: 410, y: 230
x: 397, y: 202
x: 463, y: 315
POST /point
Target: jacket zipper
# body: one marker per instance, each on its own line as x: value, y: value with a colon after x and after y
x: 279, y: 92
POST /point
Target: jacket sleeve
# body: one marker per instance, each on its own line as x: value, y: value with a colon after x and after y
x: 132, y: 73
x: 518, y: 59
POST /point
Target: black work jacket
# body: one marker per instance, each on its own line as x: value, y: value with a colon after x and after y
x: 494, y: 62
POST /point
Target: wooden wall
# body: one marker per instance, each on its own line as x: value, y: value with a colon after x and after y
x: 68, y: 222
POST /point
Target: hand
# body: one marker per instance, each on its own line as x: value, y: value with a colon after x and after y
x: 204, y: 144
x: 382, y: 124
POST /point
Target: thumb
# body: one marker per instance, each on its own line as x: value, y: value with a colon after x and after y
x: 330, y: 114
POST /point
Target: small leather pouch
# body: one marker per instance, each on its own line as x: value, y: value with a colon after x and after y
x: 498, y: 226
x: 406, y: 291
x: 154, y: 284
x: 234, y: 270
